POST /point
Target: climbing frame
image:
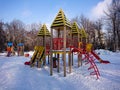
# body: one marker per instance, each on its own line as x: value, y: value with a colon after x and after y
x: 61, y: 25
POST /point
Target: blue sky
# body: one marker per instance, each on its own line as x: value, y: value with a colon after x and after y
x: 44, y: 11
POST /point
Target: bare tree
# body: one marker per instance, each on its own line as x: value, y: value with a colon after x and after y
x: 31, y: 37
x: 98, y: 26
x: 2, y: 36
x: 113, y: 18
x: 15, y: 32
x: 90, y: 27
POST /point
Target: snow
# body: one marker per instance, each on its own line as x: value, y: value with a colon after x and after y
x: 14, y: 75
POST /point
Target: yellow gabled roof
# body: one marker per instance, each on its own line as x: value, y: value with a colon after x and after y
x: 75, y: 28
x: 83, y: 33
x: 60, y: 20
x: 44, y: 31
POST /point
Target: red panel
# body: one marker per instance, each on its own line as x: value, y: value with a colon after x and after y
x: 57, y: 43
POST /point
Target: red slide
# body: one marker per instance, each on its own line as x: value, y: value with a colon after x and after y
x: 98, y: 58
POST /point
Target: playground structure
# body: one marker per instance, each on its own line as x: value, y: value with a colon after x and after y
x: 65, y: 39
x: 10, y: 49
x: 75, y: 34
x: 40, y: 52
x: 62, y: 28
x: 44, y: 34
x: 20, y: 49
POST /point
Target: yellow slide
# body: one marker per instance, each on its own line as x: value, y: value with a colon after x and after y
x: 37, y: 56
x: 40, y: 56
x: 89, y: 49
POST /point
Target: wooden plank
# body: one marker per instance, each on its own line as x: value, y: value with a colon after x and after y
x: 64, y: 48
x: 59, y: 52
x: 79, y: 55
x: 45, y: 50
x: 51, y: 54
x: 70, y: 63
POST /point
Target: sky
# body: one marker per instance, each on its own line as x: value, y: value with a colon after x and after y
x: 44, y: 11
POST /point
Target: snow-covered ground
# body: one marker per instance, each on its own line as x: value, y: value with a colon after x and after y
x: 14, y: 75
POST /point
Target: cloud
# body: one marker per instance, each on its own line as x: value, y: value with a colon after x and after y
x: 98, y: 10
x: 26, y: 13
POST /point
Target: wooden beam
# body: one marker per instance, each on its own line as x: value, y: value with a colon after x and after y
x: 70, y: 63
x: 44, y: 40
x: 51, y: 54
x: 79, y: 55
x: 64, y: 48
